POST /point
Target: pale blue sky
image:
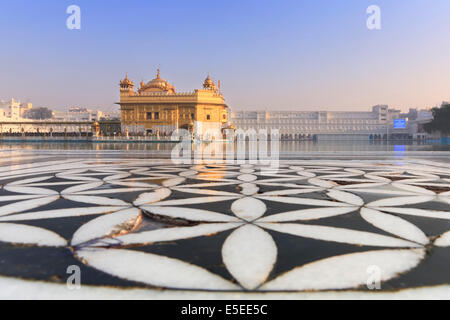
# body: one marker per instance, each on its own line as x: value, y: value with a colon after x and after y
x: 296, y: 55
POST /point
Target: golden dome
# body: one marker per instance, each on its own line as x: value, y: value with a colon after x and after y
x: 209, y: 84
x: 157, y: 85
x: 126, y: 81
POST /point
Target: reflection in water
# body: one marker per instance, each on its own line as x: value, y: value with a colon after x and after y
x: 212, y: 175
x: 165, y: 146
x: 355, y: 146
x: 285, y: 146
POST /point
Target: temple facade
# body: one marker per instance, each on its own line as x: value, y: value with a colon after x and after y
x: 156, y: 109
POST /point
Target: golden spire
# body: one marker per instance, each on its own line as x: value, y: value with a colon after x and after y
x: 209, y: 84
x: 158, y: 74
x: 126, y: 81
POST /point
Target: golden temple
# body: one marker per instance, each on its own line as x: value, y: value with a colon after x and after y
x: 157, y: 109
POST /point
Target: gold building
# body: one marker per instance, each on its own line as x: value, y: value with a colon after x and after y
x: 156, y: 109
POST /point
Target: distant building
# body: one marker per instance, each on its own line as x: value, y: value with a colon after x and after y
x: 13, y: 110
x: 24, y: 107
x: 114, y: 115
x: 424, y: 115
x: 78, y: 114
x: 74, y: 122
x: 156, y: 108
x: 329, y: 125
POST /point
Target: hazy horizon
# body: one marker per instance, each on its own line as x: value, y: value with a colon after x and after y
x: 286, y: 55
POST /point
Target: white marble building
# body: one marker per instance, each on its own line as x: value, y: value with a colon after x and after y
x: 13, y: 110
x: 331, y: 125
x: 78, y: 114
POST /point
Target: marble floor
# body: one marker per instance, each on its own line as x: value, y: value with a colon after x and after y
x: 147, y: 228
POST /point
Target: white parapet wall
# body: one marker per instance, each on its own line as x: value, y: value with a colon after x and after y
x: 343, y: 137
x: 44, y: 126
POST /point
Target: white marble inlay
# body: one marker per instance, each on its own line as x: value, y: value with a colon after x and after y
x: 205, y: 191
x: 305, y: 201
x: 416, y: 212
x: 307, y: 214
x: 30, y: 190
x: 414, y: 189
x: 346, y: 197
x: 346, y: 271
x: 151, y: 197
x: 247, y: 177
x: 349, y: 236
x: 175, y: 233
x: 196, y: 200
x: 395, y: 225
x: 249, y: 254
x: 249, y: 189
x: 322, y: 183
x: 399, y: 201
x: 23, y: 234
x: 153, y: 269
x: 61, y: 213
x: 30, y: 180
x: 111, y: 224
x: 287, y: 192
x: 443, y: 240
x: 248, y: 208
x: 96, y: 200
x: 82, y: 187
x: 190, y: 214
x: 217, y: 209
x: 25, y: 205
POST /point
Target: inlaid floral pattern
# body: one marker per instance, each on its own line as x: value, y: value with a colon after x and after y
x: 311, y: 225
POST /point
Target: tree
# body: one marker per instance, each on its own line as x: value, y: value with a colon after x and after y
x: 441, y: 120
x: 38, y: 113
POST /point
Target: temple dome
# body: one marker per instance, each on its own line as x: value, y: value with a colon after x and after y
x: 209, y: 84
x: 126, y: 81
x: 158, y: 85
